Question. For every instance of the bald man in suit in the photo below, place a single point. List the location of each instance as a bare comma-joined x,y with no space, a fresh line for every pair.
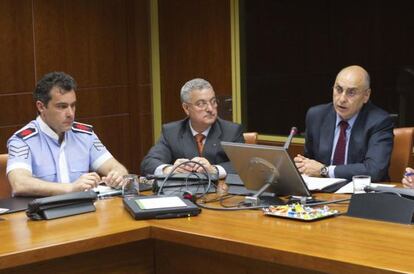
350,136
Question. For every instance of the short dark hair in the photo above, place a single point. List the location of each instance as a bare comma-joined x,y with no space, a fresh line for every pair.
63,81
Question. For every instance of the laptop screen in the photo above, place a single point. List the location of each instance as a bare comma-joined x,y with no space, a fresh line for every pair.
259,164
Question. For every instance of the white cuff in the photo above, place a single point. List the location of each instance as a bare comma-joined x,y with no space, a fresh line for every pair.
17,166
159,170
222,172
98,162
331,171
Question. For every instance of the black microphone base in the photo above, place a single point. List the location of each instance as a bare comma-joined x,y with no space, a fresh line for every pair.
387,207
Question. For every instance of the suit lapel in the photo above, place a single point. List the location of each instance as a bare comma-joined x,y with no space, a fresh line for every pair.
187,142
212,142
357,138
327,132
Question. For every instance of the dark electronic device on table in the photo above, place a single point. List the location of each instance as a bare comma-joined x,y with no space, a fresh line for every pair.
160,207
266,168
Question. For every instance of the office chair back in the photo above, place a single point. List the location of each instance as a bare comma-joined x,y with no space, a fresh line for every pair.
250,137
401,152
5,189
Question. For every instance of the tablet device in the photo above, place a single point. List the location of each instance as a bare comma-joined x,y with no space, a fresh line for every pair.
160,207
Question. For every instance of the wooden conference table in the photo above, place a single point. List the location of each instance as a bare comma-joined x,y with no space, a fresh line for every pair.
110,241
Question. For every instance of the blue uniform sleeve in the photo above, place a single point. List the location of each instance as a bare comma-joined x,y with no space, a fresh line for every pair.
19,155
98,153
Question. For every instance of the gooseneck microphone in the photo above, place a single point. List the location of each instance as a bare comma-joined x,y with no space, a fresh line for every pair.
292,133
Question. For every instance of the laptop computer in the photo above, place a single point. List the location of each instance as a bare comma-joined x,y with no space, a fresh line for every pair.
266,168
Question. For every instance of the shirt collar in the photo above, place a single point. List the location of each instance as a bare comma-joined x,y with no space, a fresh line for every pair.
205,132
350,121
46,129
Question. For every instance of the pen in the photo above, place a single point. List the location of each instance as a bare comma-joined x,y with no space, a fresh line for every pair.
408,174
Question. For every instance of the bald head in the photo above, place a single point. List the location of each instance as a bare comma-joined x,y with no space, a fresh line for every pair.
356,75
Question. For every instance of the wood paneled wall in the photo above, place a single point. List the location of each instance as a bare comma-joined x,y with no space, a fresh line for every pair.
103,44
194,42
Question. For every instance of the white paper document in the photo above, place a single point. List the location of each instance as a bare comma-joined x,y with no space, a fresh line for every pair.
349,188
318,183
102,189
106,191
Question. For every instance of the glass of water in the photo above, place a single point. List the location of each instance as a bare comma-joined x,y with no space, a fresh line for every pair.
359,182
130,187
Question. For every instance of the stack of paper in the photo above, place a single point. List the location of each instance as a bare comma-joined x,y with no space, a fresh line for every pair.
339,185
349,188
323,184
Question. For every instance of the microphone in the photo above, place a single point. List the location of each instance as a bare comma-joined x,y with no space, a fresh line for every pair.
292,133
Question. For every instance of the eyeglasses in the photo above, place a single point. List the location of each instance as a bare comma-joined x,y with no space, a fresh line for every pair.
350,93
203,104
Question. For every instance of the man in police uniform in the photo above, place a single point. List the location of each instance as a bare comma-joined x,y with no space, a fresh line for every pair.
55,155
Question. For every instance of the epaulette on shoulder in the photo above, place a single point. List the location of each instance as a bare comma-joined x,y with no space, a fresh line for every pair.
26,133
80,127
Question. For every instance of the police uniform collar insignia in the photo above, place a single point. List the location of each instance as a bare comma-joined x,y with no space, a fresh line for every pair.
27,132
80,127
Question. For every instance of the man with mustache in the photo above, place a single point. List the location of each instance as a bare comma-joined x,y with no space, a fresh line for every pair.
195,138
350,136
55,155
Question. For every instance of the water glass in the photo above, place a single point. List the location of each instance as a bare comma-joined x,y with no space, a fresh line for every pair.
130,187
359,182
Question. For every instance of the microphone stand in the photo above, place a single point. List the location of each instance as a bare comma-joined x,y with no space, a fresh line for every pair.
292,133
255,199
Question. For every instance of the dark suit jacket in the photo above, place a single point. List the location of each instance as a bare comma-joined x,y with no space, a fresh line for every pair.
177,141
369,147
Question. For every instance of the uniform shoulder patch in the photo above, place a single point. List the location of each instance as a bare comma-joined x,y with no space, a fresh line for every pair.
80,127
26,133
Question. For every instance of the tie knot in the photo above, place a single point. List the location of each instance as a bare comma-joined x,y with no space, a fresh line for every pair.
343,124
199,137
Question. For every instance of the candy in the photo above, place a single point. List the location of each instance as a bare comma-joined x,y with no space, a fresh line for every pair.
298,211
